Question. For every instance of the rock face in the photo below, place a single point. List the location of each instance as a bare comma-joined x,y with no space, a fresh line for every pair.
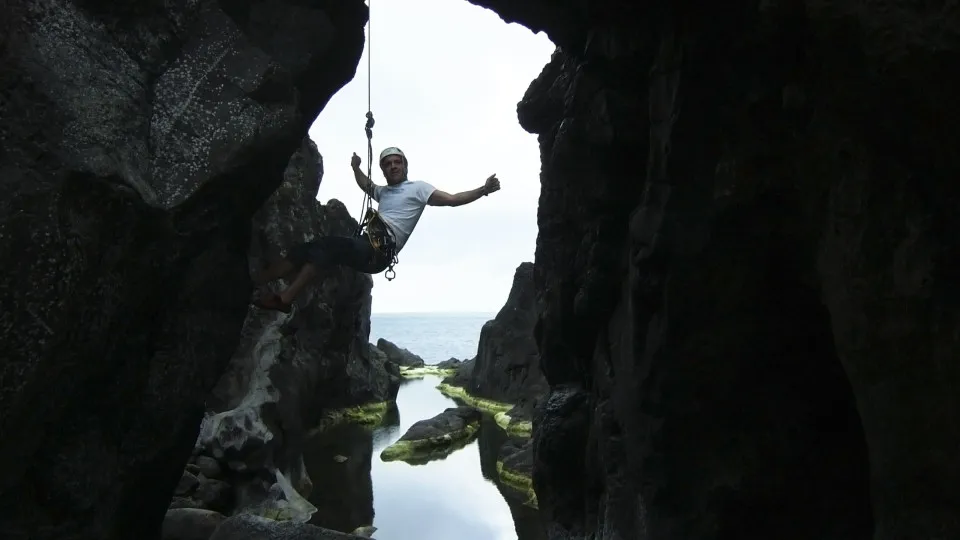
291,368
507,365
746,263
138,142
399,355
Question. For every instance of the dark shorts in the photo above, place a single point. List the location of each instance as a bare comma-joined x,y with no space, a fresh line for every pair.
353,251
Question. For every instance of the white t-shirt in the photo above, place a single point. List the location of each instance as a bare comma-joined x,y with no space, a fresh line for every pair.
400,206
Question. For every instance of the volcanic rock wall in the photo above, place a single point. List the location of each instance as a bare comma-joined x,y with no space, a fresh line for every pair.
137,143
747,267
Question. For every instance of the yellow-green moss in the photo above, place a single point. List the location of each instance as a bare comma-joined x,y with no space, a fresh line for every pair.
408,372
481,404
517,428
369,414
421,451
518,482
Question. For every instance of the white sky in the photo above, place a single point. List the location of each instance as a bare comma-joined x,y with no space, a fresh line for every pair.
447,76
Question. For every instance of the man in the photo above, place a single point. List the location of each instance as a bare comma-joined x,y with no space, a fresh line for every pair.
401,202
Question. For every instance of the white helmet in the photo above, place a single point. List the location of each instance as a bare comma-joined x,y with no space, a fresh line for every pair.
393,151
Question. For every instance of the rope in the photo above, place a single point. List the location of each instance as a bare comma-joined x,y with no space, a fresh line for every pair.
367,209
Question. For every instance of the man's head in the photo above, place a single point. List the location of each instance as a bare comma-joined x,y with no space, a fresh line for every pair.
393,163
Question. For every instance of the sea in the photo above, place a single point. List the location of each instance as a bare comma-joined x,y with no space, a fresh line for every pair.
445,499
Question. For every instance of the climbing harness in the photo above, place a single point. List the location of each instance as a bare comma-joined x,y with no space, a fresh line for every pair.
377,230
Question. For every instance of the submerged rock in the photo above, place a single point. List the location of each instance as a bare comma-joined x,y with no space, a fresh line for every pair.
248,527
436,437
399,355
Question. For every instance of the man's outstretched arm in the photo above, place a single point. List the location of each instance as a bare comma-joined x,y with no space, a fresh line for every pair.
442,198
365,183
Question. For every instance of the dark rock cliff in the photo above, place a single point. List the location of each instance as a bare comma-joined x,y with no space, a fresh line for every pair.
137,143
291,369
507,366
747,268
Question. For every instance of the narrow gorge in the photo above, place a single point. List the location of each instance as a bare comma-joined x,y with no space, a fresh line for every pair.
740,322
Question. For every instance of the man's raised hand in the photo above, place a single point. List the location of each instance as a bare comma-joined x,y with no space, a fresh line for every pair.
355,160
491,185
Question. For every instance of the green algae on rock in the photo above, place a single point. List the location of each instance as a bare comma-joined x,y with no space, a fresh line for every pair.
436,437
482,404
368,415
419,372
513,426
519,482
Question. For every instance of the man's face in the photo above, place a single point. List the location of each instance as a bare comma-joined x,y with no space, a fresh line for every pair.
392,167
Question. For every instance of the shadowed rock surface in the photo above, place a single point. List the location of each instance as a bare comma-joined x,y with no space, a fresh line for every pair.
747,267
138,142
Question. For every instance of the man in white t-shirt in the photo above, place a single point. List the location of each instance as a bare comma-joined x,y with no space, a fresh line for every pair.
401,202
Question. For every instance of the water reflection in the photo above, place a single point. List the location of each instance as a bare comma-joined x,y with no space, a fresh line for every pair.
454,497
525,518
338,462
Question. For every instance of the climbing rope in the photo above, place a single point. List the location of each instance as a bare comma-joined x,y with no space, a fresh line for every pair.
367,210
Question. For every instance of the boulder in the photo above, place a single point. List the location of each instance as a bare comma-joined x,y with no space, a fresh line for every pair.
435,437
398,355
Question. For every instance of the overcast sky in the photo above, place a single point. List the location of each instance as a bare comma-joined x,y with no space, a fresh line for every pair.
447,76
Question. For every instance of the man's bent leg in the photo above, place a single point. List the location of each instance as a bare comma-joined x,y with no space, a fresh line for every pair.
320,255
276,270
353,252
306,273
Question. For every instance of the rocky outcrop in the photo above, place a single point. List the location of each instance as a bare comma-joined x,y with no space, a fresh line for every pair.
436,437
746,263
291,370
138,142
399,355
506,369
507,366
